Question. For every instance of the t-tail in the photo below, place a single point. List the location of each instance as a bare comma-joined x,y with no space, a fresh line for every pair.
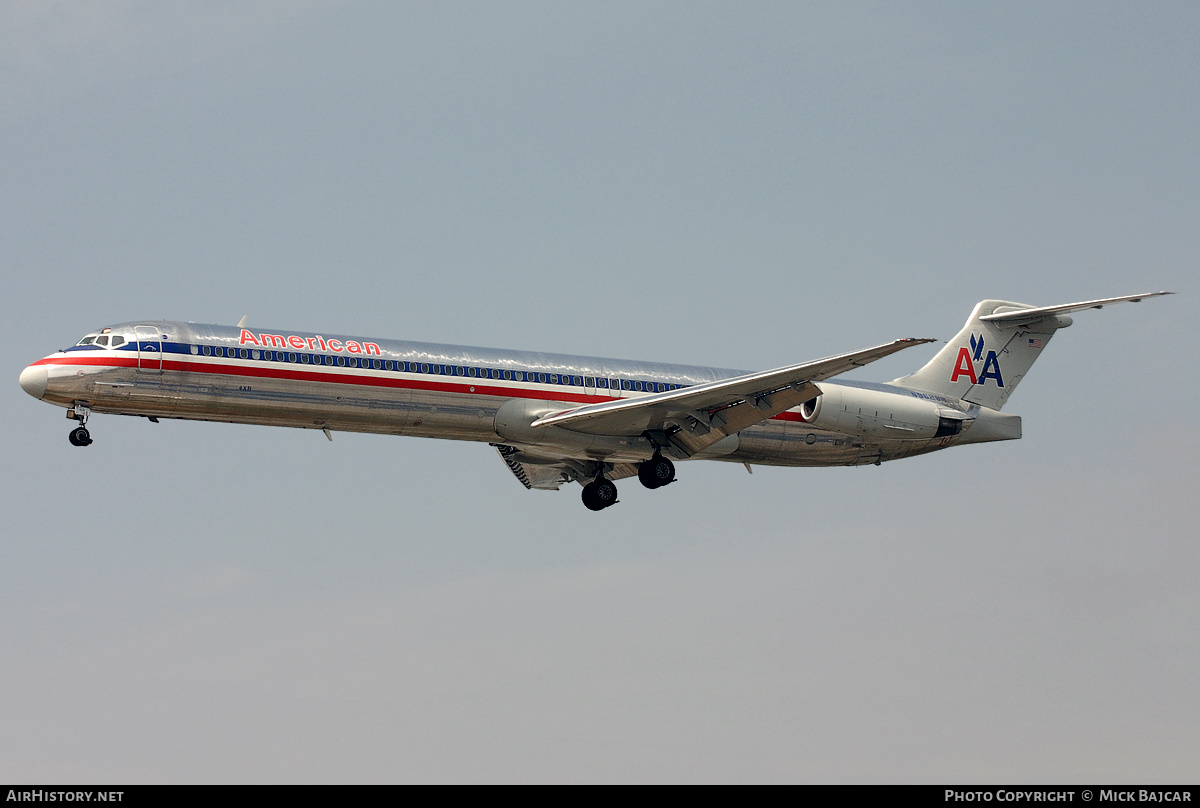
986,361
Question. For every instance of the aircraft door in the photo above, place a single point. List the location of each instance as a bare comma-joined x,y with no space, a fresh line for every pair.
149,349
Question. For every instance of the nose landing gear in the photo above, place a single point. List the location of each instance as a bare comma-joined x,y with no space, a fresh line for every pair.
79,435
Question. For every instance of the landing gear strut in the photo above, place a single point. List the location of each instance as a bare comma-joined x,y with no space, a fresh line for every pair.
79,435
599,494
656,472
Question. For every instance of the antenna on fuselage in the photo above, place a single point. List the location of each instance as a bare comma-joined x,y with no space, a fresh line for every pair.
242,322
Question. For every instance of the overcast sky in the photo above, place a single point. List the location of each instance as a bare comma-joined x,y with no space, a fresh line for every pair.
738,185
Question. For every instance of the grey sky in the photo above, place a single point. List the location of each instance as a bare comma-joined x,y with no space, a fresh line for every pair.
738,185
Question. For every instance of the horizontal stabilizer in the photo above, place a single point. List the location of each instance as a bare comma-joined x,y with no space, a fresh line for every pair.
1001,340
1028,315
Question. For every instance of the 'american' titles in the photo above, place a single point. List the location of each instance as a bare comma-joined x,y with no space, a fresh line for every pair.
311,343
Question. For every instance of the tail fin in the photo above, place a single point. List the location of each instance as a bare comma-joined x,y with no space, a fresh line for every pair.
996,348
988,358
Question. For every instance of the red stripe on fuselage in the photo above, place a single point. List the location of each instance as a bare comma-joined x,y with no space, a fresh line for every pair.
115,362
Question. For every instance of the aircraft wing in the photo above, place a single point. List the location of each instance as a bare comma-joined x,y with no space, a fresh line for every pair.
693,418
1022,316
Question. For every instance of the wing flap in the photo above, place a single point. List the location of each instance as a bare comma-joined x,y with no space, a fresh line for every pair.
535,470
545,477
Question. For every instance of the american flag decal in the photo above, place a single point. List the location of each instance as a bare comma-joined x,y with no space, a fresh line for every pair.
1035,343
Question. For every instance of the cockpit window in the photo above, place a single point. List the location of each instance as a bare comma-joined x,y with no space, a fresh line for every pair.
103,339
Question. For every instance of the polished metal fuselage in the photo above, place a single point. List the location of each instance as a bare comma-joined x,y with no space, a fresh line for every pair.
299,379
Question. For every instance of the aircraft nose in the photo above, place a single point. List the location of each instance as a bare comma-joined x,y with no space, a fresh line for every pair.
33,380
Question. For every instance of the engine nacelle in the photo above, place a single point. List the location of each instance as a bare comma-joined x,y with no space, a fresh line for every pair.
881,414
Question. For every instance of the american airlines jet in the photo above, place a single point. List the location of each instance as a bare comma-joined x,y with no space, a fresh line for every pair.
553,418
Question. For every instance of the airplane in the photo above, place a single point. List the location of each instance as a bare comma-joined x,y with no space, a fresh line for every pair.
556,419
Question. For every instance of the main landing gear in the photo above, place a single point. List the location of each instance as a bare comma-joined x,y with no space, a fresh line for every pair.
79,435
653,473
656,472
599,494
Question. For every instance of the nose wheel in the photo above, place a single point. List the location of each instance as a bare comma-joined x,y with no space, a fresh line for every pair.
79,435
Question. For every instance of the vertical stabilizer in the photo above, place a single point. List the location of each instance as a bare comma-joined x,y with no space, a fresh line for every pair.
986,361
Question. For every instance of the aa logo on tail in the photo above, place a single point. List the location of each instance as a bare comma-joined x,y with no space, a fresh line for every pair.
965,364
